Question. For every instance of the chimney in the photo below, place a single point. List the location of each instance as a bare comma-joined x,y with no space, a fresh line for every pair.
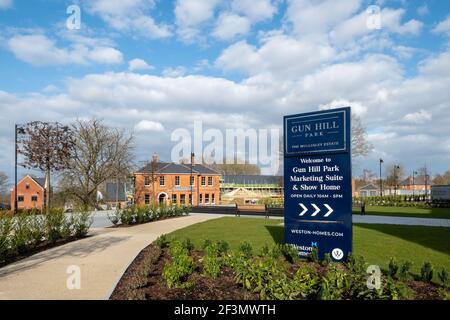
192,159
154,157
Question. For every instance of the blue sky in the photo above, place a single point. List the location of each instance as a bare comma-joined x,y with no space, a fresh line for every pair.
152,66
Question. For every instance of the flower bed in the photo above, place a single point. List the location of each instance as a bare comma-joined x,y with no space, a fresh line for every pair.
30,232
143,214
175,270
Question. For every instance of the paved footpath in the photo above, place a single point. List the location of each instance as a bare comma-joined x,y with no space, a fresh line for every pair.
407,221
102,258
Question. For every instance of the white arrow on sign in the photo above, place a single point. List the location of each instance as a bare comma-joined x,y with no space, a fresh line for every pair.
317,210
304,209
330,210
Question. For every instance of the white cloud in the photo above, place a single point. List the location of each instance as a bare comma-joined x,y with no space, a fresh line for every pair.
443,26
316,17
436,66
190,14
129,16
6,4
147,125
139,64
230,25
423,10
279,56
418,117
357,107
39,50
255,10
174,72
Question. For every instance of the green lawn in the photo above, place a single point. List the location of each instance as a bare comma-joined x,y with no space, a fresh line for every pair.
441,213
377,243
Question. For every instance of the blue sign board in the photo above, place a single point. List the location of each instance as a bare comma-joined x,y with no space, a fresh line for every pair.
317,182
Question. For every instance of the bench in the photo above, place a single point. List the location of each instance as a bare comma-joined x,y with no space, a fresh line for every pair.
251,208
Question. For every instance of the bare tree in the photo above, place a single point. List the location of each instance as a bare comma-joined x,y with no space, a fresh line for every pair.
47,147
360,145
3,183
443,179
101,153
395,173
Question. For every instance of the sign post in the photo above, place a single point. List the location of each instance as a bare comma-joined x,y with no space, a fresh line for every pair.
317,182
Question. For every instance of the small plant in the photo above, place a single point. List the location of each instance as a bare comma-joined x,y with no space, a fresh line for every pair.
211,262
306,281
326,260
82,221
6,227
162,241
443,276
289,252
115,217
206,243
403,272
54,223
314,255
392,268
223,247
334,285
187,243
246,249
426,272
181,266
356,264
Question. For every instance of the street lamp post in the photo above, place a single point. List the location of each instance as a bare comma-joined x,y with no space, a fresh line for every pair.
18,129
381,180
396,167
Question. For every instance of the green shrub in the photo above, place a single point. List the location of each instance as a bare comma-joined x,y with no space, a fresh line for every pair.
267,278
403,273
326,259
22,235
181,266
246,249
206,243
314,255
443,276
426,272
356,264
127,216
289,252
188,244
115,217
393,268
37,229
394,290
306,281
82,221
54,223
211,261
162,241
334,285
6,227
223,247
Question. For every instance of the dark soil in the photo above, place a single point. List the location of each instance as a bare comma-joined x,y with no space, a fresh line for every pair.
45,245
205,288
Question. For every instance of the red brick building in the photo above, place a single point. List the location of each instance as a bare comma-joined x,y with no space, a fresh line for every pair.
165,182
30,193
